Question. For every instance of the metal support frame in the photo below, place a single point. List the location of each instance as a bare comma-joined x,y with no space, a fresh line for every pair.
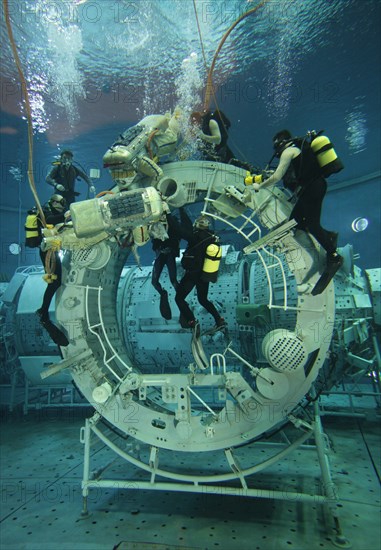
50,396
212,484
356,385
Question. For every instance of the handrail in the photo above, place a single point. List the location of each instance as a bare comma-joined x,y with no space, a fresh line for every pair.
91,328
236,228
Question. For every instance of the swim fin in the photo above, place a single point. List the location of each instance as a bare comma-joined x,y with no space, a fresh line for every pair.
165,308
333,265
213,330
55,333
197,349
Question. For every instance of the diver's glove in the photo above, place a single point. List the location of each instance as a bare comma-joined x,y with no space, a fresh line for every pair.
59,187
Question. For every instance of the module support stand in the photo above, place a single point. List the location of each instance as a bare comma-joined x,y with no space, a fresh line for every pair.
329,496
328,485
85,438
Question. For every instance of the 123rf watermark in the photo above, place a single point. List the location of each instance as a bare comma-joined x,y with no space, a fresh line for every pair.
61,11
317,92
39,491
118,92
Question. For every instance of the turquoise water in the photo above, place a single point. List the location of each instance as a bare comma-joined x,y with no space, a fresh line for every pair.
94,68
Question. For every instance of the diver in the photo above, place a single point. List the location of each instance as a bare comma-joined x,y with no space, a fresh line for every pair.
63,176
301,173
199,237
54,212
166,236
141,148
212,127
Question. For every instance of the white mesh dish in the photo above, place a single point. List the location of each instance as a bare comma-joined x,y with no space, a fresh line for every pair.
94,258
284,351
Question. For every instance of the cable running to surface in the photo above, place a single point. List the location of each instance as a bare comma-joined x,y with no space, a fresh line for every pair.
25,96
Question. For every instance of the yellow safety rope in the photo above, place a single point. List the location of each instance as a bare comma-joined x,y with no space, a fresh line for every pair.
24,92
50,266
200,36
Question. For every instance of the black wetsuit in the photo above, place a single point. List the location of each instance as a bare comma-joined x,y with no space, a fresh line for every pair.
220,152
166,253
198,241
304,172
66,177
52,217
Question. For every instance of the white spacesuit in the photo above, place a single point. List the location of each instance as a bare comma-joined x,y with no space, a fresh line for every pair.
140,148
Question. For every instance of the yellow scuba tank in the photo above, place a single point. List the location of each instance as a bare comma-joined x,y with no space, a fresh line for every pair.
211,263
326,156
32,230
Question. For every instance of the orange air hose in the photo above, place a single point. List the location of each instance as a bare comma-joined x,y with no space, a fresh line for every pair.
209,83
150,137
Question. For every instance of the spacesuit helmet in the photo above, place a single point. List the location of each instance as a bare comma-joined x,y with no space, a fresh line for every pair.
57,202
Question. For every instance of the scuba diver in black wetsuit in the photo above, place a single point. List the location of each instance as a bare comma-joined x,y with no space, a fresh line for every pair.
54,212
301,173
166,237
199,237
63,177
213,129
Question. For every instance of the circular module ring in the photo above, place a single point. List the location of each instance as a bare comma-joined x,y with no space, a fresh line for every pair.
183,407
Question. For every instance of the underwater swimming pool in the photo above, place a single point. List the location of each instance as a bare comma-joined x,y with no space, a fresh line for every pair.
94,68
